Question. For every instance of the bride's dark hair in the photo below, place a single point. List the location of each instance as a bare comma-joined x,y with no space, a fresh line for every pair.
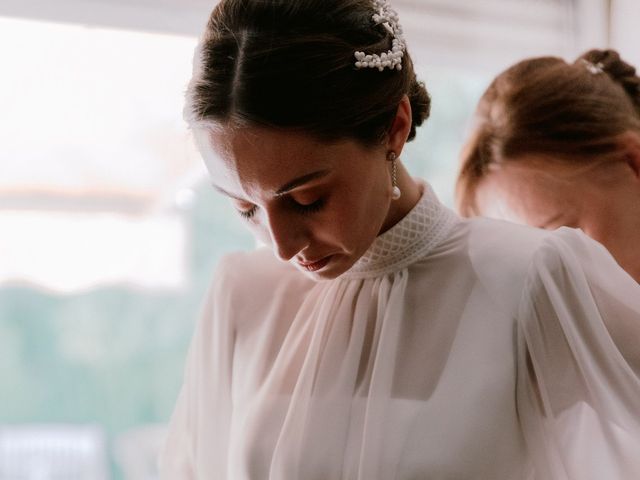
290,64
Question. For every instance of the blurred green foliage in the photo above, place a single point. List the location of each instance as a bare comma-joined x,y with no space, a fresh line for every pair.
111,356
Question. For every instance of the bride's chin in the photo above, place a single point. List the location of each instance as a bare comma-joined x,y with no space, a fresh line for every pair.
333,269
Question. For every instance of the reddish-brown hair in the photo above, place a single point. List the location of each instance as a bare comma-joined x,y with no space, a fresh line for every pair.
544,106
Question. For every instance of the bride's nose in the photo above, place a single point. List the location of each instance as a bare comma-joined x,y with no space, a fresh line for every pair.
288,236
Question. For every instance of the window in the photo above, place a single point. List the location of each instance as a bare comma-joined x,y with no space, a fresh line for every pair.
109,231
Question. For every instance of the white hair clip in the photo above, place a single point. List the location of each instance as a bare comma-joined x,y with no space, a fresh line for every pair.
391,59
594,68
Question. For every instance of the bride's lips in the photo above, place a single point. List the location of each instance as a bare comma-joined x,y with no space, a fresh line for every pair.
316,265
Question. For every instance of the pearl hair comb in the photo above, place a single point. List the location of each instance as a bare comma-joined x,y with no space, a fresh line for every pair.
391,59
594,68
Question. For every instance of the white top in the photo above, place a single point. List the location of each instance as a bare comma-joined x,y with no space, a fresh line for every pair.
453,349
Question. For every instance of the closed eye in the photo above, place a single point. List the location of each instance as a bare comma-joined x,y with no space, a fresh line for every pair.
248,214
308,209
303,209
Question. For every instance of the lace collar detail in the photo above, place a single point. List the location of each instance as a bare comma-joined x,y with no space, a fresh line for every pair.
423,228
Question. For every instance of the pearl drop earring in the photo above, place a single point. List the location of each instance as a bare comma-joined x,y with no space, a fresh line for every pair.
395,193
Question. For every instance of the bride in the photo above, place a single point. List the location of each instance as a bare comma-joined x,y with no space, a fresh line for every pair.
380,336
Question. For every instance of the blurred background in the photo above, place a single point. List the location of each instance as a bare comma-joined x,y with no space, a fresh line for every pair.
109,229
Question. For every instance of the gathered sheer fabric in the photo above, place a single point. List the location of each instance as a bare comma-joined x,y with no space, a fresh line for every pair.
453,349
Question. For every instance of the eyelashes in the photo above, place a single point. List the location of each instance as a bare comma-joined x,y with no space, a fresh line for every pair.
307,209
248,214
310,208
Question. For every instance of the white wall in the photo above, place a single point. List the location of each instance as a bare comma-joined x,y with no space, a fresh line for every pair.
625,29
182,17
479,35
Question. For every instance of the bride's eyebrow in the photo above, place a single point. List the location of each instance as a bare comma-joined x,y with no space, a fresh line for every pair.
224,192
295,183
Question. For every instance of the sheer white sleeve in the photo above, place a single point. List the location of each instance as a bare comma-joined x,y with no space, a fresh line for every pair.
197,443
579,362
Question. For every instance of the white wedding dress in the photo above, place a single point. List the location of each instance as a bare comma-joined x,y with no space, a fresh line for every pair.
453,349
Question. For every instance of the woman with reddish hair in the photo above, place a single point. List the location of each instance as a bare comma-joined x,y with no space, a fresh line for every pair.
558,144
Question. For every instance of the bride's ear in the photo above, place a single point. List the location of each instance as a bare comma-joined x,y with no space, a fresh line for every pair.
401,127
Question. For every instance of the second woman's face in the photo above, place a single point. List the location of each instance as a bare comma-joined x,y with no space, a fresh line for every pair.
319,205
600,199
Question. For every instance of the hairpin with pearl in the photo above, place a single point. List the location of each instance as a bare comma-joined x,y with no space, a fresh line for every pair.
392,59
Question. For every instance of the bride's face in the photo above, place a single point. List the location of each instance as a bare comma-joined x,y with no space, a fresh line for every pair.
318,205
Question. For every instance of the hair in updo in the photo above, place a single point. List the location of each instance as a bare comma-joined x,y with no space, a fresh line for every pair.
290,64
544,106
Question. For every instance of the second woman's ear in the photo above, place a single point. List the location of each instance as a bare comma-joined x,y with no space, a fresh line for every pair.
631,145
401,127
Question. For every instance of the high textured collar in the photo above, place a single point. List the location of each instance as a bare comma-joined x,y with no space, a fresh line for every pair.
424,227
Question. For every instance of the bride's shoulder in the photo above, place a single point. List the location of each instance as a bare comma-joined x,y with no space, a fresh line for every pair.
246,285
254,280
503,243
520,248
257,268
505,256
